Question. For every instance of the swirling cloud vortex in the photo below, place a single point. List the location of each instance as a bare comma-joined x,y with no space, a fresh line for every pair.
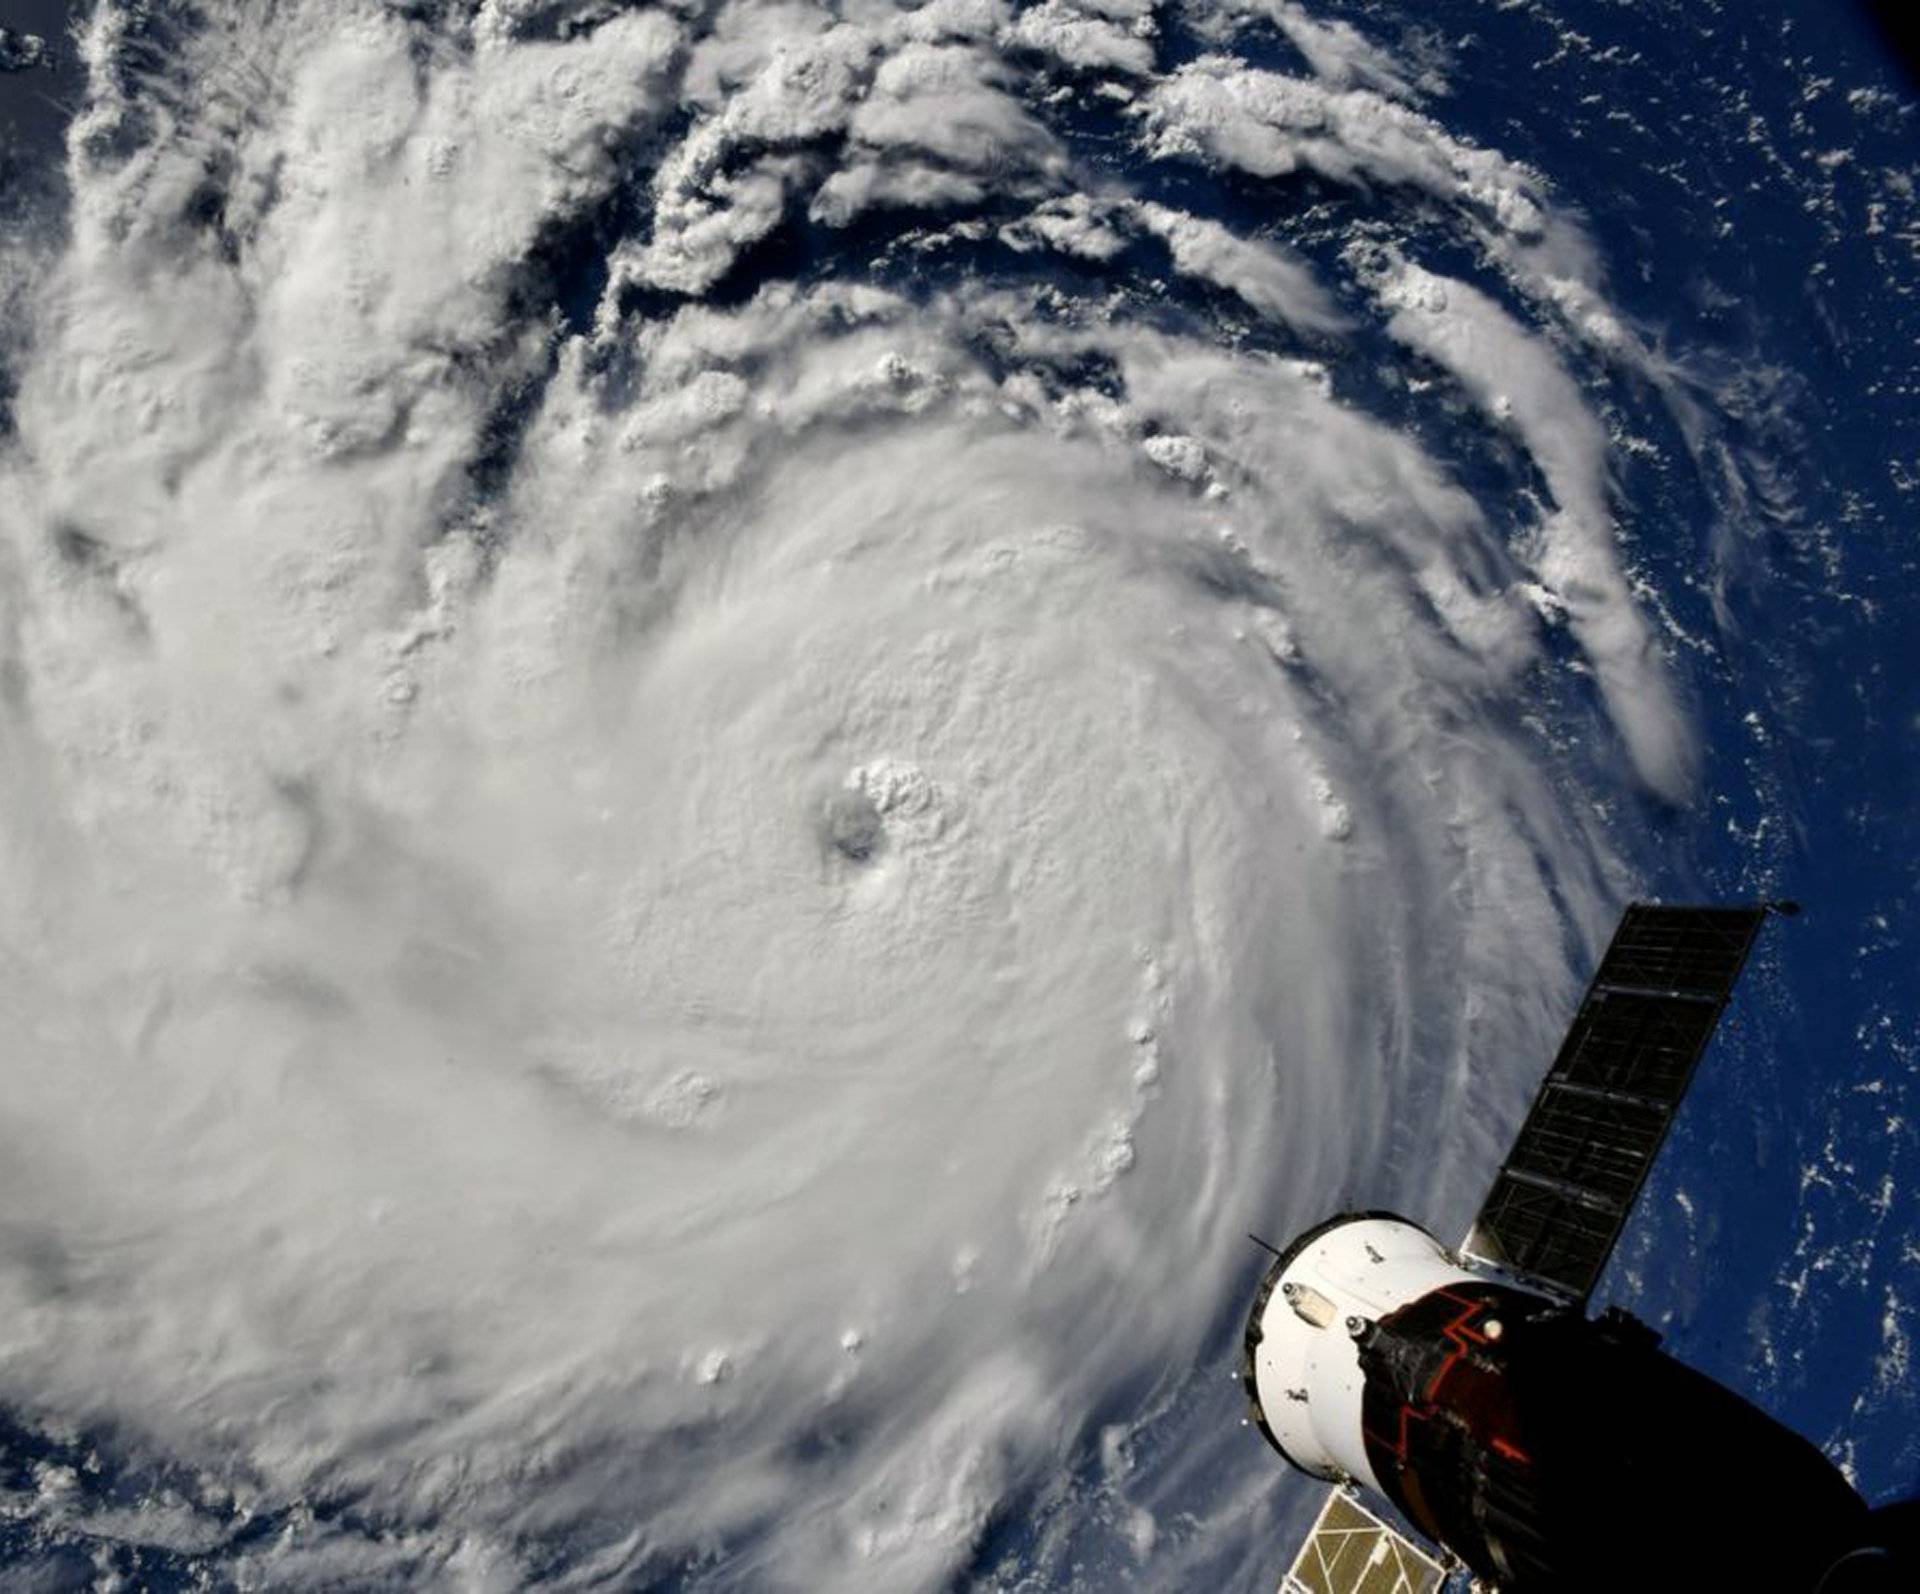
727,728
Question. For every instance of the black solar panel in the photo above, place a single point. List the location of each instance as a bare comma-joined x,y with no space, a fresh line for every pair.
1561,1198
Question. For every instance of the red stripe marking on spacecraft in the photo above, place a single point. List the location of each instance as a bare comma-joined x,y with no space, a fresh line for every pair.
1462,1335
1399,1447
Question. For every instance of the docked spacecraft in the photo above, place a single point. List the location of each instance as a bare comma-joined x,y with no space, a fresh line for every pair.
1535,1446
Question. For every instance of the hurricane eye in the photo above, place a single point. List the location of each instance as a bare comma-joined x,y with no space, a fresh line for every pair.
851,828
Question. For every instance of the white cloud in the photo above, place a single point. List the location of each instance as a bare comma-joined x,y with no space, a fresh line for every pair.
1073,225
950,102
1271,280
764,111
1090,42
1337,51
1269,124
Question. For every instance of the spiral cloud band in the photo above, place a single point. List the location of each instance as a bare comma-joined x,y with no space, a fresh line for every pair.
726,728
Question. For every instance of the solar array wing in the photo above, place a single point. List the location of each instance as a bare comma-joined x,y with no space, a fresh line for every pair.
1351,1551
1563,1195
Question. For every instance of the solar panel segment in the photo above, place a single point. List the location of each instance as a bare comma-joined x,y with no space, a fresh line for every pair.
1563,1195
1351,1551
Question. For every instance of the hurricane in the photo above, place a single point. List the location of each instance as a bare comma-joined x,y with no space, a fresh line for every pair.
728,727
